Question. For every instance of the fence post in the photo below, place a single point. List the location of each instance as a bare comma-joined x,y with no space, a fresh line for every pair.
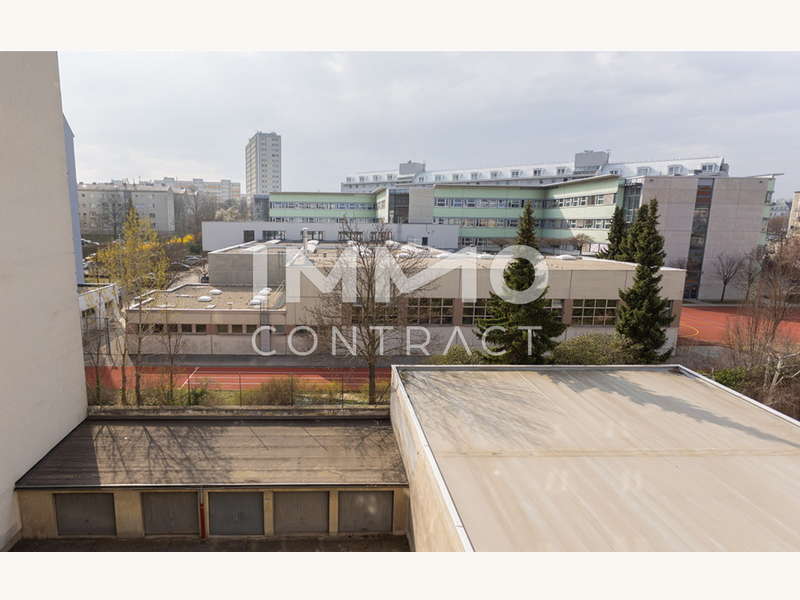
291,390
189,388
341,389
240,389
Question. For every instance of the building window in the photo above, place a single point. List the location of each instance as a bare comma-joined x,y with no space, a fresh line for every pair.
495,174
186,328
556,308
346,236
674,169
438,177
474,175
643,170
380,236
200,328
222,329
248,235
709,167
430,311
251,328
474,311
273,235
456,176
594,312
516,173
237,329
537,172
613,171
561,171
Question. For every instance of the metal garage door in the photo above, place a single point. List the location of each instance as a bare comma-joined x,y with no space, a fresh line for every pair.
85,514
236,513
365,511
168,513
301,512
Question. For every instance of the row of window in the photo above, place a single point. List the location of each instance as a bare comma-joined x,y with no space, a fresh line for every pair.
479,202
147,328
324,205
591,200
572,223
323,219
478,310
476,222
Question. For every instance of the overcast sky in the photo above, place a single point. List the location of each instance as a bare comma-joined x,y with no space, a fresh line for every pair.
150,115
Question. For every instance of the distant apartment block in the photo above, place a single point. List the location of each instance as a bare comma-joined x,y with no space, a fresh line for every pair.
222,191
263,163
103,207
794,215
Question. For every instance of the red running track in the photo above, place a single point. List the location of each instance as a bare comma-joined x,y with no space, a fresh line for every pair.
230,378
708,324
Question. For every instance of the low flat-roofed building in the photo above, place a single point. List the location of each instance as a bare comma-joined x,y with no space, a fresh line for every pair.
255,478
593,458
583,292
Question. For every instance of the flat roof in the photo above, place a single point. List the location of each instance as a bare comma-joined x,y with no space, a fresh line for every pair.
144,453
607,458
187,296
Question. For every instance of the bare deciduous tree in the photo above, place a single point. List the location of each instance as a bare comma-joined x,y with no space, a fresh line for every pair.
755,338
138,264
726,268
363,325
751,268
581,240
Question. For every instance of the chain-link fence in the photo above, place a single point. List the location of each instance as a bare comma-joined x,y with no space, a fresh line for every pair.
229,387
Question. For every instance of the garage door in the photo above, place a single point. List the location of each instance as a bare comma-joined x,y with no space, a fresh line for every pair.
236,513
85,514
301,512
365,511
170,513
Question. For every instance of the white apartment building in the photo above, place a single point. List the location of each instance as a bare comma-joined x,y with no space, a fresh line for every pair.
222,191
589,163
102,207
44,393
263,163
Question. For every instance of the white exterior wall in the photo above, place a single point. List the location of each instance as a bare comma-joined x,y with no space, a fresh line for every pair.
44,394
738,208
223,234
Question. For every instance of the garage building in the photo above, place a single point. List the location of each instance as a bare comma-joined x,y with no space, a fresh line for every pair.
142,477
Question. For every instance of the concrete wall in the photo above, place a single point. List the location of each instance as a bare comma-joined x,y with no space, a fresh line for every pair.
43,383
72,181
434,524
420,205
734,228
221,234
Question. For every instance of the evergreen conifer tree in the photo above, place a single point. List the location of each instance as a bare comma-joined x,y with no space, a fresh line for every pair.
616,236
628,244
643,314
519,275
